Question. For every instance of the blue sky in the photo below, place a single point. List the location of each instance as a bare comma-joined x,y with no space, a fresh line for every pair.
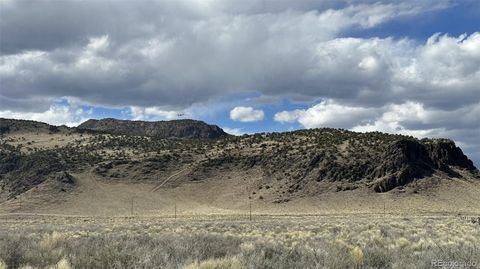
459,18
410,67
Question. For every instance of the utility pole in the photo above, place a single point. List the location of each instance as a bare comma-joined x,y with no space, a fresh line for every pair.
174,205
131,208
250,204
384,210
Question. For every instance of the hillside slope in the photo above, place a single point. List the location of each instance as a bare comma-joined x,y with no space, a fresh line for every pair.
10,126
275,169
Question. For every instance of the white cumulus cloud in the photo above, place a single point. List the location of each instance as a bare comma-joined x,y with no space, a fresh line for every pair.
327,113
234,131
288,116
55,115
156,113
246,114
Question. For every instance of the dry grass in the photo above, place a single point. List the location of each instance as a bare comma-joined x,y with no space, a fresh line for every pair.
265,242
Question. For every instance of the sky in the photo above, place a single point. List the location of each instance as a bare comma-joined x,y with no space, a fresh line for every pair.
409,67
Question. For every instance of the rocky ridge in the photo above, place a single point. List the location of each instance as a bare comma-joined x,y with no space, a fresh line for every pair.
164,129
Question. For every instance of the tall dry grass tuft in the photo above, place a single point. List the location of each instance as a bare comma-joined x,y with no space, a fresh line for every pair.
62,264
357,255
221,263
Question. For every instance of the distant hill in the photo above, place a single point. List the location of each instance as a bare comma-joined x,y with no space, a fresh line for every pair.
190,129
14,125
49,162
161,129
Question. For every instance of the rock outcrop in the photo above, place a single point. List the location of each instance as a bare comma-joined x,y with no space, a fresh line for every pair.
406,160
163,129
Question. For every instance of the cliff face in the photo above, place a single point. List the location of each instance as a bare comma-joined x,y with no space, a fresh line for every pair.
161,129
407,160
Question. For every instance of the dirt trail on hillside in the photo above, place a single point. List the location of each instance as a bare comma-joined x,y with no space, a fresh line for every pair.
170,177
